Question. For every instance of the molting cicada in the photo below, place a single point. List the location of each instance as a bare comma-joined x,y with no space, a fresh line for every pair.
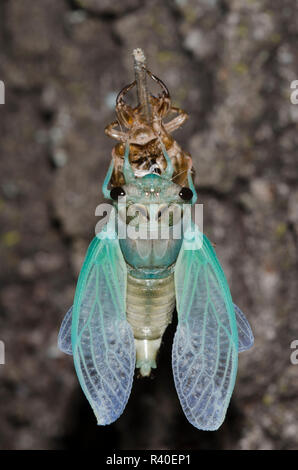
129,286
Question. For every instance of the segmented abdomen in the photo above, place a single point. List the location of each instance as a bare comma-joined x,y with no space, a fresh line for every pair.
149,307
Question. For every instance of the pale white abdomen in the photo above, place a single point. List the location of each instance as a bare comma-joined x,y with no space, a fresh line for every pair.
149,308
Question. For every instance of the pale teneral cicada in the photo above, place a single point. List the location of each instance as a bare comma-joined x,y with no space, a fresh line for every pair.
129,286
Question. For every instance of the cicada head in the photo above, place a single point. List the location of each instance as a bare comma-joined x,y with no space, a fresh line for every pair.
153,200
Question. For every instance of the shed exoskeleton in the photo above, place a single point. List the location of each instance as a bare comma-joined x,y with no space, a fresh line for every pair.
144,136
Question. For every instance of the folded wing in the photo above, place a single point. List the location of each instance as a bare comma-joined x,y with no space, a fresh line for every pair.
245,334
102,340
64,336
205,348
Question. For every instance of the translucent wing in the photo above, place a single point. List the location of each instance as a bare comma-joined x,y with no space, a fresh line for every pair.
245,335
205,348
102,340
64,336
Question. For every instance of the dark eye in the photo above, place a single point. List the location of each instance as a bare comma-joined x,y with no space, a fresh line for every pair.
186,194
117,192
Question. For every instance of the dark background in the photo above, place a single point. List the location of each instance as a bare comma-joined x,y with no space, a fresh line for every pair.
230,65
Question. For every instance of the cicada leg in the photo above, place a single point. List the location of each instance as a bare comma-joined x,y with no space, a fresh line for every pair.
111,131
177,121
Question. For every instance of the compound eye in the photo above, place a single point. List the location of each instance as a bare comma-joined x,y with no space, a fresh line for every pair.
186,194
117,192
156,170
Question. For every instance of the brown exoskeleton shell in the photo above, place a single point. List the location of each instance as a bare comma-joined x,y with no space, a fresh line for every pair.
144,137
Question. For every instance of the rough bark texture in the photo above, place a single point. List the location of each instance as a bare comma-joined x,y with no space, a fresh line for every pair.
230,65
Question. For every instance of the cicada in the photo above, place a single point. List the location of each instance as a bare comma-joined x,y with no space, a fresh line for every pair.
129,287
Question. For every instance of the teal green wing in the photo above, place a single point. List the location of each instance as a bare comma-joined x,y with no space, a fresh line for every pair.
205,348
102,340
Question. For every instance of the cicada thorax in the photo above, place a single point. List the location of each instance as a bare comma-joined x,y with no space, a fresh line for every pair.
146,137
